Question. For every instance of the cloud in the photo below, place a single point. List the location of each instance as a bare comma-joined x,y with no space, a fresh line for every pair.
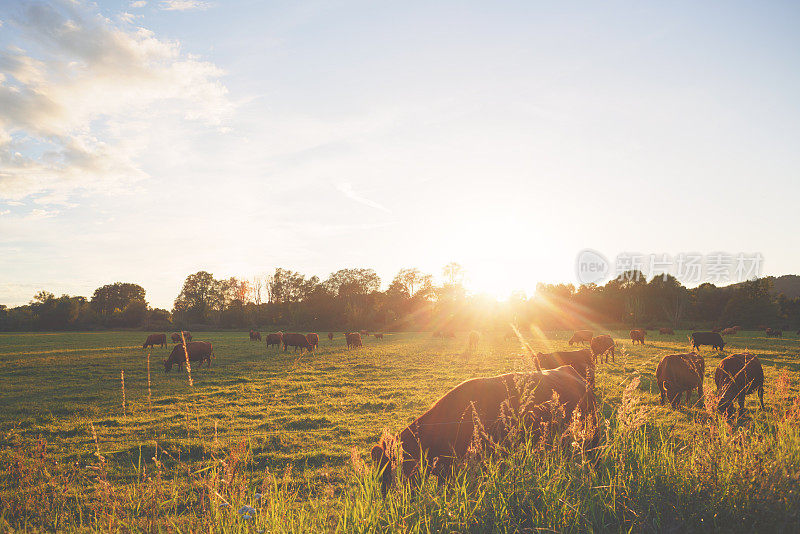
41,214
138,3
184,5
76,115
5,212
346,188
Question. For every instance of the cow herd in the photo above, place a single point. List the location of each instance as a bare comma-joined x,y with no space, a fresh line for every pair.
310,341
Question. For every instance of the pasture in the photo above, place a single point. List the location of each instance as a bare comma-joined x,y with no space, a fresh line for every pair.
295,428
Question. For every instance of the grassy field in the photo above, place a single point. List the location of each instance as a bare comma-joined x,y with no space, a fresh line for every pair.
293,428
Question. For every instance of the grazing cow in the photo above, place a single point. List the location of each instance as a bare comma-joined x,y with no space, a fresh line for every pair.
637,334
363,333
156,339
669,331
187,335
255,336
330,336
774,332
677,373
736,328
441,437
378,336
313,340
580,360
199,351
275,339
474,338
176,337
353,339
601,345
298,341
581,336
707,338
737,376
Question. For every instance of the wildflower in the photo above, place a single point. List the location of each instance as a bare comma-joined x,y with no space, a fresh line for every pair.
257,496
245,510
246,516
223,505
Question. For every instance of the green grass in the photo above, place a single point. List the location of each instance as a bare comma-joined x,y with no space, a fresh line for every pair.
286,425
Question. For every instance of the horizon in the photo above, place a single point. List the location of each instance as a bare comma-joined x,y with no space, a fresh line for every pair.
145,139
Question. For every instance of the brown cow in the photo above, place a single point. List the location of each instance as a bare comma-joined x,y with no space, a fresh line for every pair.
275,339
353,339
737,328
474,338
298,341
199,351
187,335
330,336
677,373
581,336
313,340
441,437
580,360
378,336
156,339
669,331
774,332
737,376
728,332
255,336
637,334
363,333
176,337
602,345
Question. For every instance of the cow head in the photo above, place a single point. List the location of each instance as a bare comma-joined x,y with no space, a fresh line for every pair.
167,365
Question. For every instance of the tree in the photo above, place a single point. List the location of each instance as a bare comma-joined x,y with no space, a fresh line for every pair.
116,296
198,296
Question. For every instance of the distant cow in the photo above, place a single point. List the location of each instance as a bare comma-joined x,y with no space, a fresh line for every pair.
441,437
330,336
378,336
737,376
774,332
728,332
669,331
707,338
313,340
156,339
637,335
677,373
581,336
601,345
255,336
176,337
275,339
364,333
736,328
353,339
187,335
199,351
474,338
298,341
580,360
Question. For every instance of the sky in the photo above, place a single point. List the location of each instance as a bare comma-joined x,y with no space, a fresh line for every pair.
142,141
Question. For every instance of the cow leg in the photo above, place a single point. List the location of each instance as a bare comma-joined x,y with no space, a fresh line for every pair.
661,390
741,403
761,396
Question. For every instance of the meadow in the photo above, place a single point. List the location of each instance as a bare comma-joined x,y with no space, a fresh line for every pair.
289,434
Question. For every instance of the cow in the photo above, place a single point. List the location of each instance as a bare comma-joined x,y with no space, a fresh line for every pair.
378,336
728,332
176,337
275,339
774,332
637,334
187,335
602,345
298,341
313,340
677,373
353,339
581,336
736,328
737,376
155,339
363,333
580,360
474,338
199,351
255,336
707,338
330,336
761,327
669,331
716,329
442,436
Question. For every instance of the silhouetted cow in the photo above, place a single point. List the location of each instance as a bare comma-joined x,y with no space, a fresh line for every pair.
156,339
637,335
581,336
313,340
677,373
298,341
602,345
255,336
330,336
728,332
199,351
737,376
580,360
353,339
176,337
774,332
669,331
275,339
707,338
378,336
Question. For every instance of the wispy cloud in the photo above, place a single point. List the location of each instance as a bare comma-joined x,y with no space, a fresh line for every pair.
184,5
346,188
42,214
138,3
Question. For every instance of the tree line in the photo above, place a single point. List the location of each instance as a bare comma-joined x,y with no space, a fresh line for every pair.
352,299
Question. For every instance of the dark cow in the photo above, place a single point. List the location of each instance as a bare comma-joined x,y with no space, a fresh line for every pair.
353,339
581,336
677,373
728,332
199,351
707,338
298,341
330,336
156,339
474,338
637,334
313,340
275,339
774,332
737,376
187,335
669,331
255,336
441,437
602,345
580,360
378,336
176,337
